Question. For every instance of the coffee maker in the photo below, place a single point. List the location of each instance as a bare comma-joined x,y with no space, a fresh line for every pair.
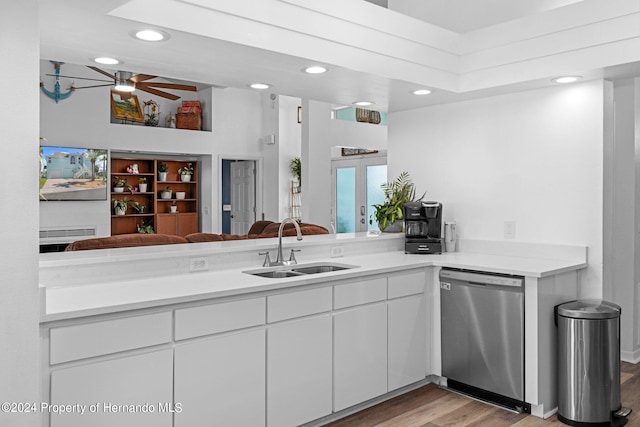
423,227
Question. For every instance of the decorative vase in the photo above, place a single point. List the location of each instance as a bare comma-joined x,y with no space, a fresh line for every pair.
394,227
162,176
174,209
119,211
142,187
180,194
118,189
185,178
165,195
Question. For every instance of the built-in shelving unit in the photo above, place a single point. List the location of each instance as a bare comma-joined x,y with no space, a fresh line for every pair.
157,211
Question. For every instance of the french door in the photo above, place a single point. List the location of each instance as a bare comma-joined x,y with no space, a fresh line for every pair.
356,188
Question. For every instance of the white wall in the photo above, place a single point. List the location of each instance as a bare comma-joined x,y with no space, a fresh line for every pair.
19,302
83,120
289,141
622,243
531,157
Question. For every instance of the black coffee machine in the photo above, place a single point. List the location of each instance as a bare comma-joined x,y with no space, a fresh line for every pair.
423,227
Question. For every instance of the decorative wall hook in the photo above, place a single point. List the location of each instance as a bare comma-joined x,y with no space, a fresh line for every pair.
57,95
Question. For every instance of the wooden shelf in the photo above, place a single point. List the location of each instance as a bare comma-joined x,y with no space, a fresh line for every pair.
183,222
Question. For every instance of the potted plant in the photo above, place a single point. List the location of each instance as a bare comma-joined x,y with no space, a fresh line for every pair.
145,229
162,171
173,208
142,184
296,170
166,193
151,113
137,206
389,215
120,206
185,172
120,185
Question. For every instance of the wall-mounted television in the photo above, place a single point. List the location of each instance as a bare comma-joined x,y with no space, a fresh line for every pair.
69,173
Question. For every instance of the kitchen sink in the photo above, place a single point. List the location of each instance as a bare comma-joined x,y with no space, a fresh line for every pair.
297,270
319,269
276,273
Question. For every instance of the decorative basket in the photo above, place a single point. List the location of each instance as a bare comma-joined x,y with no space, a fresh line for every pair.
189,121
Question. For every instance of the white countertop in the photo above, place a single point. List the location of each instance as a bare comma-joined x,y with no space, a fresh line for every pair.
65,302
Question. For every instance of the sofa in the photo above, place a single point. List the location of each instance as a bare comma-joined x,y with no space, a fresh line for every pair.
125,241
260,229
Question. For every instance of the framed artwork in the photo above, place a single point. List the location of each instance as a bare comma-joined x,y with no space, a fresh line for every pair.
125,106
357,151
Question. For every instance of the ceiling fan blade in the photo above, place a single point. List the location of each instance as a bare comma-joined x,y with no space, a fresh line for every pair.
173,86
145,88
142,77
87,87
102,71
79,78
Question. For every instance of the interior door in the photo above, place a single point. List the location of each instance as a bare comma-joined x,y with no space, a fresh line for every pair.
243,196
356,188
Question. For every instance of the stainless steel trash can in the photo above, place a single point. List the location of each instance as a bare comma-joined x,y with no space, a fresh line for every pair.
588,362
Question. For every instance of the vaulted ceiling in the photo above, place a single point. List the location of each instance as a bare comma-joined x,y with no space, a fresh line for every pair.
460,49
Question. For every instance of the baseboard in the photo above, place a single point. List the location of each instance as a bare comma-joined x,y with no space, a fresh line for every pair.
630,356
357,408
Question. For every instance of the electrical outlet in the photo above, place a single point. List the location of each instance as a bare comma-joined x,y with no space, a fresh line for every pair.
198,264
510,230
337,251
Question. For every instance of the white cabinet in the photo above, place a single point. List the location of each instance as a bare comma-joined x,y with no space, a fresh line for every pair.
360,354
117,386
407,341
299,366
407,329
221,380
281,359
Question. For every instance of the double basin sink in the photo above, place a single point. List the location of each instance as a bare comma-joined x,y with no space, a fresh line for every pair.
297,270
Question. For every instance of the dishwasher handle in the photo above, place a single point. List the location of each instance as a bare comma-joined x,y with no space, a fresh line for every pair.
481,279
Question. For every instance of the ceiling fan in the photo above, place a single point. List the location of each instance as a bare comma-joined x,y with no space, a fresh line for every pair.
126,82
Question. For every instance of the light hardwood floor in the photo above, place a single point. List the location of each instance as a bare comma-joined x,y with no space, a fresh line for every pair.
431,406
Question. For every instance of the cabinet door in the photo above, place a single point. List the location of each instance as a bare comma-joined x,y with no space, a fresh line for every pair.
221,381
299,355
177,224
407,341
187,223
167,224
115,385
360,354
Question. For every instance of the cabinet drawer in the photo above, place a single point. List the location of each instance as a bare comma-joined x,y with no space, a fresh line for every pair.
216,318
108,336
406,284
298,304
362,292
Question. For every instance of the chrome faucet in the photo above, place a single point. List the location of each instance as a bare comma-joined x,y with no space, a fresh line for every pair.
279,258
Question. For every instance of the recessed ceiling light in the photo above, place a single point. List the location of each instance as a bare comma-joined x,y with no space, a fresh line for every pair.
260,86
106,60
151,35
363,103
566,79
421,92
316,69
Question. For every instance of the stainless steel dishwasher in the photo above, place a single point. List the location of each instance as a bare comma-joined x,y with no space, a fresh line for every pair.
482,329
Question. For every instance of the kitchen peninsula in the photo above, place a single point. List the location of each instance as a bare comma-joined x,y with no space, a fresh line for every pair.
185,326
